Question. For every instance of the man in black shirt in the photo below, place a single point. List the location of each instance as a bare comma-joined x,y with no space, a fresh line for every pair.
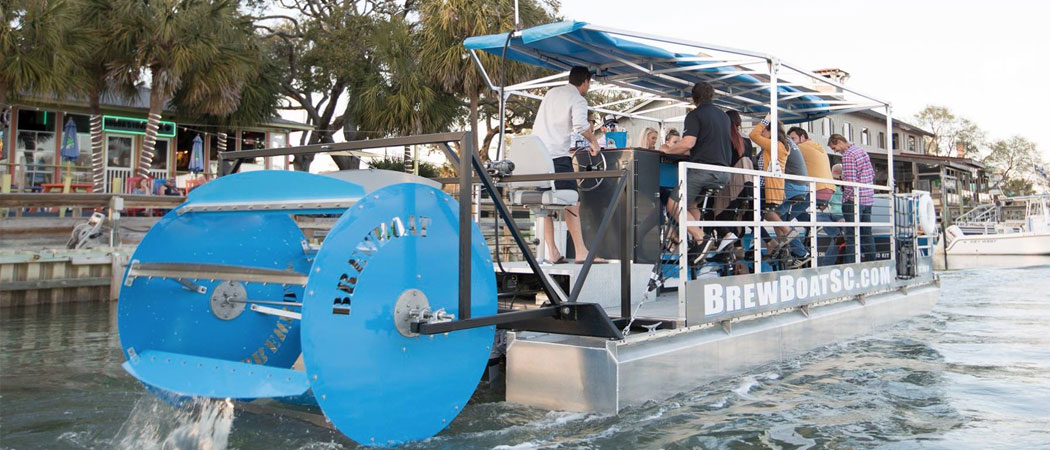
706,139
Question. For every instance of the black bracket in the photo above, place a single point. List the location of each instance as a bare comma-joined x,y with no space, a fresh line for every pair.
576,319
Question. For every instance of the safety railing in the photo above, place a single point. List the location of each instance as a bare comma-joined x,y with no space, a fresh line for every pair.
982,215
813,220
31,177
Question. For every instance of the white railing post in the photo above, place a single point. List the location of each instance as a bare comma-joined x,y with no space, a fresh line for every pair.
813,224
856,224
683,239
756,233
891,183
774,125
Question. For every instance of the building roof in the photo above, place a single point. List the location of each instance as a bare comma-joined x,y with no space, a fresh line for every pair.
110,102
903,125
950,161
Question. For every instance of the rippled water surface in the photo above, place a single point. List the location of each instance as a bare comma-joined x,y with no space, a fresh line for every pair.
975,373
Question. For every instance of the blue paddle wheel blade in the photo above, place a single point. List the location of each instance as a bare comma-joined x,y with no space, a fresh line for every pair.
197,376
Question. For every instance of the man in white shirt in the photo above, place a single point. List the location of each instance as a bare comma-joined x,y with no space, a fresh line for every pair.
563,112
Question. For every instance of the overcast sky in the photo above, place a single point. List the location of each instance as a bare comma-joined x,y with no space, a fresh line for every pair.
984,60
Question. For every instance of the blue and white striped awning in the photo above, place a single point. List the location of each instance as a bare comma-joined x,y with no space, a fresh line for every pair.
657,68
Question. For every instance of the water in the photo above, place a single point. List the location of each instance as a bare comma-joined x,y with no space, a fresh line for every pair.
975,373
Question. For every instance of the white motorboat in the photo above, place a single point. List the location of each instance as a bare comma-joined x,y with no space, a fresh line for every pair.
1013,232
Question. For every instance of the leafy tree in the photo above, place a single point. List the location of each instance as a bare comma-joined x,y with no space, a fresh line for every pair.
520,115
1017,187
195,46
949,131
397,98
96,71
326,51
37,47
1013,161
426,169
446,23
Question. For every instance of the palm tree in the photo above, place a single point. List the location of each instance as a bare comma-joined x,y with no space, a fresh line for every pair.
245,81
98,70
446,23
176,41
259,92
397,96
36,47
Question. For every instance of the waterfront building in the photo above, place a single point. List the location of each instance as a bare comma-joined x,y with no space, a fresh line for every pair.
33,135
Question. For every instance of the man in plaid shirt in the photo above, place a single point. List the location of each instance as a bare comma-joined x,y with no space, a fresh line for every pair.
856,168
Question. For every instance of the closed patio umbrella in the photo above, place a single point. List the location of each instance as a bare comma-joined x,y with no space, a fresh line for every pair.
70,146
197,156
70,152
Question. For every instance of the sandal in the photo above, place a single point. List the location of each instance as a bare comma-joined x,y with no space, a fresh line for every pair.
597,260
560,260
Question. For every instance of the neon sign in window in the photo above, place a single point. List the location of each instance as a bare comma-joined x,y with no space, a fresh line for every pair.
134,125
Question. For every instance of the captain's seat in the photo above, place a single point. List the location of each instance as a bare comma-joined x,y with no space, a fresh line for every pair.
530,157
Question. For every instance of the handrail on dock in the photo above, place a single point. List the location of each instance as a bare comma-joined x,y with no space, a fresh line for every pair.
87,200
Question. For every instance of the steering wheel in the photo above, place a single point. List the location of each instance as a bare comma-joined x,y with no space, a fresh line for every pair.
584,162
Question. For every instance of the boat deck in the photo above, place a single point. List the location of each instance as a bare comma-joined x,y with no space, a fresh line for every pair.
602,286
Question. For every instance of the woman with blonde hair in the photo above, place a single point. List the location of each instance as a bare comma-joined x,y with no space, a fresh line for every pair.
648,138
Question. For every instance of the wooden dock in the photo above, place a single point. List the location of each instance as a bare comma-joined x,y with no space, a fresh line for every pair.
35,266
35,277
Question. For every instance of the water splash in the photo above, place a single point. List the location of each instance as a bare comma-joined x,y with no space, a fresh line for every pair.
152,424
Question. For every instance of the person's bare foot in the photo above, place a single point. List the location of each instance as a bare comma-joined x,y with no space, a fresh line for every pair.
597,259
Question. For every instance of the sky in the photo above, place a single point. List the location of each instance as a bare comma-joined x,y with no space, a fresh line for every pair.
981,59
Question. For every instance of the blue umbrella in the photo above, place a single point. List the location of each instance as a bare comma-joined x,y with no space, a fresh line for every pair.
70,151
197,156
70,146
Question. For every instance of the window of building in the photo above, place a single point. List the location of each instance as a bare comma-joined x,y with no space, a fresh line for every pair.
865,137
184,148
35,141
847,131
118,150
82,166
278,140
231,144
895,141
253,140
882,139
826,126
159,164
809,127
911,143
213,149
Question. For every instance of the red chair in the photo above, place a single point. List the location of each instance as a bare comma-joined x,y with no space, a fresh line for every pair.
129,187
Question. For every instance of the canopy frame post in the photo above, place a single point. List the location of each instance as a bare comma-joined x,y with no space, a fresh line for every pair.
774,125
891,183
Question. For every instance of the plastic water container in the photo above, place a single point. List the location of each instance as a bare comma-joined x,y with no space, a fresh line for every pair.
617,137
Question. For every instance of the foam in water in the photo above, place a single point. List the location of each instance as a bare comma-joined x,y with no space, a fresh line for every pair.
200,423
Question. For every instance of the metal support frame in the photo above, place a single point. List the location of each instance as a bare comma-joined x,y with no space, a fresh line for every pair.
891,182
586,319
577,319
465,191
602,228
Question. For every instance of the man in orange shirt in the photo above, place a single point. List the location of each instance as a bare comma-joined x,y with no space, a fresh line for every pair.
817,163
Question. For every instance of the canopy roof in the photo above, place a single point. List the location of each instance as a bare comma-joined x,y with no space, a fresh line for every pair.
655,68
